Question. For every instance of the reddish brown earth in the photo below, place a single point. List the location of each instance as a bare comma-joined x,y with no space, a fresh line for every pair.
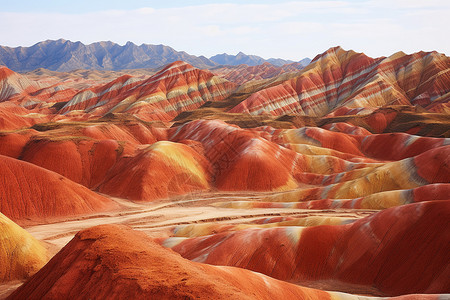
29,192
335,177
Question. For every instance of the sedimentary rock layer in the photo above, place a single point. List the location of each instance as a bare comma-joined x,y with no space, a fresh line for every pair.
340,82
34,193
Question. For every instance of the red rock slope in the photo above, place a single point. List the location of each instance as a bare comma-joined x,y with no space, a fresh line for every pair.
30,93
115,262
33,193
176,88
79,159
161,170
337,165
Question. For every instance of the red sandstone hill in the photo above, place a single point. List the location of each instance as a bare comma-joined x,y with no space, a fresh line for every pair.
13,117
161,170
12,84
176,88
338,82
31,93
29,192
347,134
81,160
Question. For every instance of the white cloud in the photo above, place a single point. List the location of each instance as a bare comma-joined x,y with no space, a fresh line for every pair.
212,30
290,30
244,30
146,10
409,4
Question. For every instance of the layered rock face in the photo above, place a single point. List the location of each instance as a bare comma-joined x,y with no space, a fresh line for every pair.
176,88
337,83
34,193
340,82
340,169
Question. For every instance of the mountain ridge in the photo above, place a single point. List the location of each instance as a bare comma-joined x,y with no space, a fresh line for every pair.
65,55
252,60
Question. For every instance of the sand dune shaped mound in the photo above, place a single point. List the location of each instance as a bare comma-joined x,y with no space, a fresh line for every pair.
390,119
333,164
241,158
158,171
194,230
244,162
115,262
129,131
396,251
81,160
29,192
387,146
21,255
320,137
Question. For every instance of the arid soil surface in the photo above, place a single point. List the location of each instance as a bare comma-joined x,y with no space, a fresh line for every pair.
158,219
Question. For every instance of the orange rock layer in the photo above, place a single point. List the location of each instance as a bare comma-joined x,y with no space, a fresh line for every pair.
34,193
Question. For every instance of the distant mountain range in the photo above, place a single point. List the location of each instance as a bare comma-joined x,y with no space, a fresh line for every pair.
63,55
252,60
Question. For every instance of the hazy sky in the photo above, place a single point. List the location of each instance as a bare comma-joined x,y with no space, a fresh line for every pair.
291,30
